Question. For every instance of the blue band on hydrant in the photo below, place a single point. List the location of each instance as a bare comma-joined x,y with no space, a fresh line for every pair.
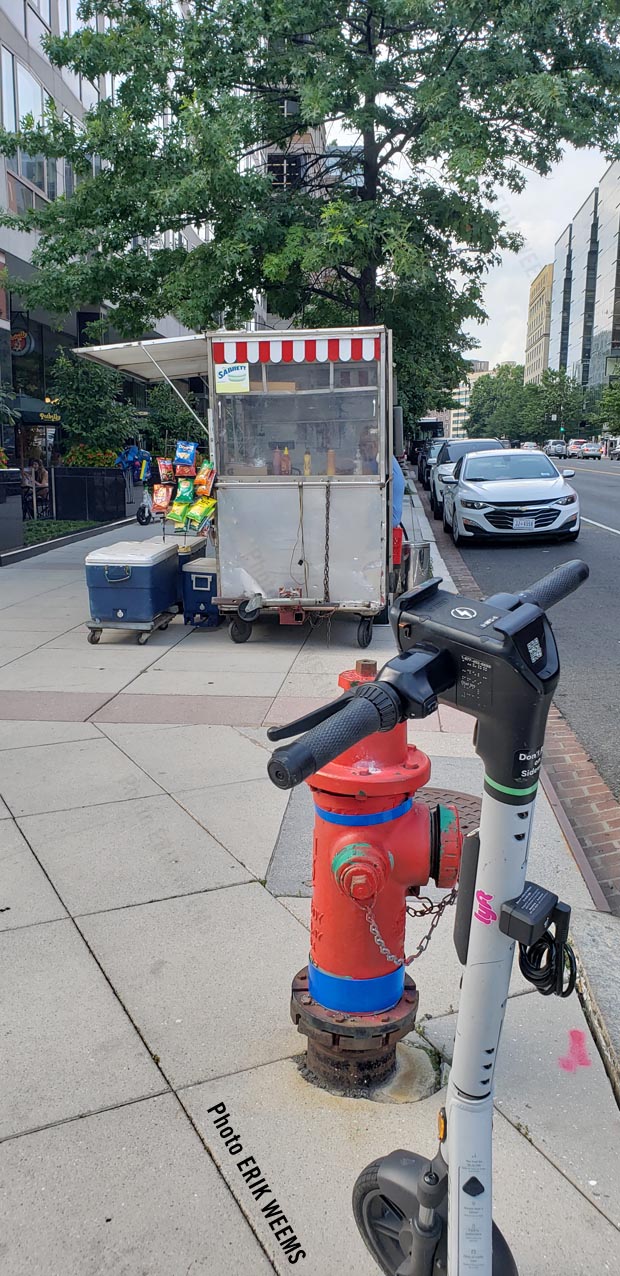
364,821
356,996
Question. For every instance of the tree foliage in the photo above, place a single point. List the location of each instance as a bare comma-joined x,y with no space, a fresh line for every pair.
89,402
502,405
435,105
608,414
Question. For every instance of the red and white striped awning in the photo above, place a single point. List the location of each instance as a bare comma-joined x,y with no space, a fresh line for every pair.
302,350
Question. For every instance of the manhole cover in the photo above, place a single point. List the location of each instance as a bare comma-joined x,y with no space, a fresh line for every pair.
467,806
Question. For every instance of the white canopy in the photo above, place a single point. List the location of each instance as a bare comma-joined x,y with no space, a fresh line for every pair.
158,359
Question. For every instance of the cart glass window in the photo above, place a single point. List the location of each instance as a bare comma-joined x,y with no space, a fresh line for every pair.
301,419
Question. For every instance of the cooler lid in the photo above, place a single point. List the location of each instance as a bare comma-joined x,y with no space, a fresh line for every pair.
131,554
201,567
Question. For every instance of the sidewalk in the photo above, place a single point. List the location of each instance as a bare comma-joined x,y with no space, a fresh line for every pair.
155,906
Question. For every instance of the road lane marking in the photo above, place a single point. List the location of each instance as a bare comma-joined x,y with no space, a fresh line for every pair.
604,526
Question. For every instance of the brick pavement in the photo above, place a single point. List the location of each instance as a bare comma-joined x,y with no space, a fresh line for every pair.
591,809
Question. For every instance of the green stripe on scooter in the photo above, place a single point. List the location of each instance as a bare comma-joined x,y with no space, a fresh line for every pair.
502,788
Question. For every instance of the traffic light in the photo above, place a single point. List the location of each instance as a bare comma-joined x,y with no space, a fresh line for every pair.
562,430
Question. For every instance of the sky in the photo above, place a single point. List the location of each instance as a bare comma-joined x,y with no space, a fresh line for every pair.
540,214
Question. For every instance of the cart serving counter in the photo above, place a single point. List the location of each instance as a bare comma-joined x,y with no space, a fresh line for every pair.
300,428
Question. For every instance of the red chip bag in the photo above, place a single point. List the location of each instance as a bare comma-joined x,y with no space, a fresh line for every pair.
166,469
162,496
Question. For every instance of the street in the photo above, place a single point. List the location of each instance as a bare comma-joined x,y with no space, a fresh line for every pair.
588,623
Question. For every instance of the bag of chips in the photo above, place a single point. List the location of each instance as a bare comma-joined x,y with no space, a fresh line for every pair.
185,459
178,512
205,479
162,496
201,513
166,469
185,490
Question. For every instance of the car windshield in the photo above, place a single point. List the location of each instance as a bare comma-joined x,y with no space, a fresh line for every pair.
453,452
434,448
502,468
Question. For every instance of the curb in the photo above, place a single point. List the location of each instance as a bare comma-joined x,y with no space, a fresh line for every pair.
32,551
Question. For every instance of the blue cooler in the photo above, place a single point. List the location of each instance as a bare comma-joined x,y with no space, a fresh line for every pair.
132,581
193,547
199,590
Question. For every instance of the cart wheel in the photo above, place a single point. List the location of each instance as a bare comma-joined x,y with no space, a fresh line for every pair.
94,635
143,516
164,627
245,612
364,632
239,629
143,638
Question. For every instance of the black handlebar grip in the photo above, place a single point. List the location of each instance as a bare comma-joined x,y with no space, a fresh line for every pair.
557,585
292,763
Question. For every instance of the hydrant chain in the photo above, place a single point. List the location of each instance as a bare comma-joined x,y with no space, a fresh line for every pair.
435,910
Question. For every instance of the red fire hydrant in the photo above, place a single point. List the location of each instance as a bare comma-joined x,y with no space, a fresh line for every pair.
373,846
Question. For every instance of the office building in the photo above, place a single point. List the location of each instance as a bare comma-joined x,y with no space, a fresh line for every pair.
538,326
585,304
459,416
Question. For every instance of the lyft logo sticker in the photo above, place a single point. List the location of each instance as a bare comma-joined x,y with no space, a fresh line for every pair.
484,913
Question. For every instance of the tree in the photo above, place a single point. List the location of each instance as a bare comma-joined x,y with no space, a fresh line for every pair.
438,105
169,420
561,396
608,414
501,406
88,400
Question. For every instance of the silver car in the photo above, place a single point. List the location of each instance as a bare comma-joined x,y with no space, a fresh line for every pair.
512,493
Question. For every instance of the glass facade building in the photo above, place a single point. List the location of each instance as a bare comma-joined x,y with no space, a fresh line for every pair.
560,301
585,304
606,334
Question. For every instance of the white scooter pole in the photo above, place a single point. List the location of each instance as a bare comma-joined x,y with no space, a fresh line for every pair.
504,841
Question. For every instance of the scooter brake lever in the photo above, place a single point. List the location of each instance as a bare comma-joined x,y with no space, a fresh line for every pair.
310,719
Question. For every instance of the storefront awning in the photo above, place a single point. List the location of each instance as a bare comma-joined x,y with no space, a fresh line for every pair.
32,411
158,359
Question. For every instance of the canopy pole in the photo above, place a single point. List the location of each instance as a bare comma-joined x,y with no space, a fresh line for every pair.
176,391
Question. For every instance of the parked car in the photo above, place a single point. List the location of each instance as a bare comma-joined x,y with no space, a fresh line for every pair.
592,452
575,446
514,494
556,447
450,452
614,450
426,459
528,446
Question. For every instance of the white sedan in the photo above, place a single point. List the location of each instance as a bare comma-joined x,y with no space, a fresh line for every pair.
510,493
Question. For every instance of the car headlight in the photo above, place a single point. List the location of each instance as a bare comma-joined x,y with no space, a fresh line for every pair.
474,505
566,500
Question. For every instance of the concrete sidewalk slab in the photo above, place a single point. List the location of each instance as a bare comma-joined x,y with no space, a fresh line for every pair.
187,710
206,978
244,817
207,682
23,735
124,1192
310,1146
5,814
76,774
69,1047
113,856
551,1085
189,757
50,706
26,896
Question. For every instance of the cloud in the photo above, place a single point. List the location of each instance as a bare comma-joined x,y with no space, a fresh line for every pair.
540,214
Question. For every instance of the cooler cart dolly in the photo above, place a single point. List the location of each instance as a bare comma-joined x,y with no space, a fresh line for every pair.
143,628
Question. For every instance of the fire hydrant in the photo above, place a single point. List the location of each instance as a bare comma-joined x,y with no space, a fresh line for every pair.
373,847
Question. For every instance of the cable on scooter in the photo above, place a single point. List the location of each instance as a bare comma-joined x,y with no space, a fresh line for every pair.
549,963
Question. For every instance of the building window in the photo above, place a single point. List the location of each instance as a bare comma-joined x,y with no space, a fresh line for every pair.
285,170
9,100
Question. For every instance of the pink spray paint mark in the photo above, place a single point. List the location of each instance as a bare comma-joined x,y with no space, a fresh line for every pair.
484,913
577,1056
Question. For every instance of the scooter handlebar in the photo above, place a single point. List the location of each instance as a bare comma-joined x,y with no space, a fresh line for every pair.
292,763
561,582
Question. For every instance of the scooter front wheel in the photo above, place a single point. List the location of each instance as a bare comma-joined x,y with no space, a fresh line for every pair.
379,1221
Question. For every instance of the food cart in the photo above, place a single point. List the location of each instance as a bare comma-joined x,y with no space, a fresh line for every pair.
300,428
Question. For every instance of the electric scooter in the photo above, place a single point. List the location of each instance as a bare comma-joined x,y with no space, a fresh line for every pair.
496,660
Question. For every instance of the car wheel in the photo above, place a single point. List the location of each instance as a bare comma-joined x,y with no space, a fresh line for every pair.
446,525
456,535
437,510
